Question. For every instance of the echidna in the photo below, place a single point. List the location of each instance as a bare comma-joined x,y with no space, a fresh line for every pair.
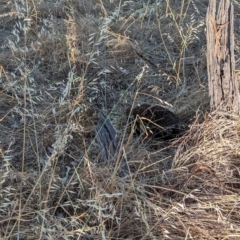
155,121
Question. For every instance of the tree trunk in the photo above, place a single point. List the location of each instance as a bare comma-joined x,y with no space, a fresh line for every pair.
223,85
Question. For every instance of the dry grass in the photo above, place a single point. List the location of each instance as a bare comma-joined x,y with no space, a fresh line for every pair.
63,61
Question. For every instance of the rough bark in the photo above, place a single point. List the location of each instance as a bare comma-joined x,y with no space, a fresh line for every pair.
223,85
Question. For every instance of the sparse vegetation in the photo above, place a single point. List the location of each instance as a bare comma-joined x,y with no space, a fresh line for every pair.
62,61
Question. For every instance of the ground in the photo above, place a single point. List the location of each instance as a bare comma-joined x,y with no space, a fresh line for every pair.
61,62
